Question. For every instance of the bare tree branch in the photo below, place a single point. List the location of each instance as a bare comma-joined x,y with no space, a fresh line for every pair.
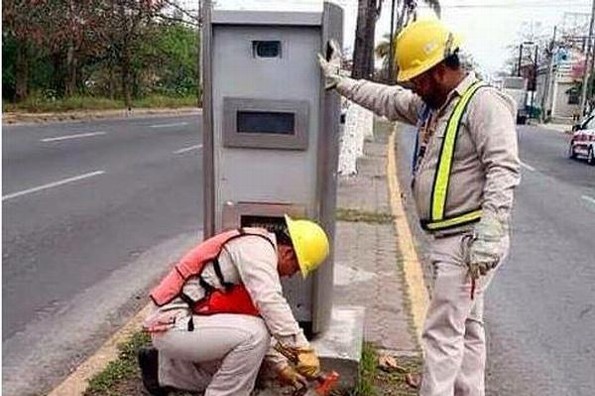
178,20
173,4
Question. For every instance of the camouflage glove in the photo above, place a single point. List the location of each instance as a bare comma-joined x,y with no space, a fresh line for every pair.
485,249
307,364
331,65
289,376
305,359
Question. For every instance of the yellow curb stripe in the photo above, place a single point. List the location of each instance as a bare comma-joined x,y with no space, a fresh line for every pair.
411,265
77,382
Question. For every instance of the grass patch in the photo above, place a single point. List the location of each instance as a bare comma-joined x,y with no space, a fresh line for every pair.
122,370
37,104
393,383
374,381
357,216
157,101
367,372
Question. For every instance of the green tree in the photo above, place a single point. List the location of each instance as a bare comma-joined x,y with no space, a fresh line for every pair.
114,48
23,28
177,46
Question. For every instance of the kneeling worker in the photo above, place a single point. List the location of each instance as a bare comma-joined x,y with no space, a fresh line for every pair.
219,306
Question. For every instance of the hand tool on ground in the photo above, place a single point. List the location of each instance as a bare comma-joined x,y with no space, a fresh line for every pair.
321,385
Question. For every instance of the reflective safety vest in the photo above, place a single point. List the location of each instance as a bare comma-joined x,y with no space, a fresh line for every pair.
233,298
438,219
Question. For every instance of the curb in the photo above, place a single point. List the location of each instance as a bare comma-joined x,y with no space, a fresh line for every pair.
565,129
44,118
77,382
414,277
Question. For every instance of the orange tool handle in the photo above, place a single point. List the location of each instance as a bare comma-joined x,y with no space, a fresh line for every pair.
327,383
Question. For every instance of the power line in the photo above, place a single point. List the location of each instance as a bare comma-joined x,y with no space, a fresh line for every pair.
509,5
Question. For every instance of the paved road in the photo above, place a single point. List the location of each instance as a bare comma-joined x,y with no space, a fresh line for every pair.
540,310
92,212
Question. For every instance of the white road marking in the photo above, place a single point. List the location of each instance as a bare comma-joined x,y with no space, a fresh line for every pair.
532,169
588,198
184,150
50,185
80,135
168,125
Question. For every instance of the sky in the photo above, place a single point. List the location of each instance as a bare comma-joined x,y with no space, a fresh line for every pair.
489,27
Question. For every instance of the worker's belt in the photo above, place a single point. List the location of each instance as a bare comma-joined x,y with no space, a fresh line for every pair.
438,220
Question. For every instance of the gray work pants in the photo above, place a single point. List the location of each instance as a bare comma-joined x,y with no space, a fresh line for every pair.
453,338
221,356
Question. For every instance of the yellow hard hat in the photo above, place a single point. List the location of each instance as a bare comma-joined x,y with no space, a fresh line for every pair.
422,45
309,242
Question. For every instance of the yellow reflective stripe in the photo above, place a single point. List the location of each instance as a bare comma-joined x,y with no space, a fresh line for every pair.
468,217
446,153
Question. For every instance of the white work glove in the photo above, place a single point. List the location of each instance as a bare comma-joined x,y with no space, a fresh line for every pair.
331,67
485,249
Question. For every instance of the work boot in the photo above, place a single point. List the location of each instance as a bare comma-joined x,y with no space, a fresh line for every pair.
148,359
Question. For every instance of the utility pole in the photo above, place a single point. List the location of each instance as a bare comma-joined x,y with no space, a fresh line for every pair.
391,45
199,57
548,78
518,69
587,71
534,79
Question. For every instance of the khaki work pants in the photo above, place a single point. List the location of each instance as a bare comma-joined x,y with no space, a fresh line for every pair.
221,356
453,338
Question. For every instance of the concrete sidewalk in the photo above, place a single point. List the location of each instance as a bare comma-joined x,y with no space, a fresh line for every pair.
368,271
564,128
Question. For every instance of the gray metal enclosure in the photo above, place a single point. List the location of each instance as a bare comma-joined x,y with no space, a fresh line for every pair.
271,131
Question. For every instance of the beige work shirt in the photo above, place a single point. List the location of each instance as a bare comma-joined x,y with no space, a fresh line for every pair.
252,260
486,166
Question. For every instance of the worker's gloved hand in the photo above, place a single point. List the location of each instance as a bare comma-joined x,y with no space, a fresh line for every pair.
331,65
485,249
289,376
308,364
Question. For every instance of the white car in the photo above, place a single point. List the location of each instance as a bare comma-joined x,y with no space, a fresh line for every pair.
582,143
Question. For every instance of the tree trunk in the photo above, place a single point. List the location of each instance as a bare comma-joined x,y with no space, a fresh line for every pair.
22,71
70,83
199,54
390,75
111,85
125,57
71,67
126,75
363,52
58,72
199,69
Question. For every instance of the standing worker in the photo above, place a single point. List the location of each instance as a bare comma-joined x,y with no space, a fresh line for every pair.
219,306
465,170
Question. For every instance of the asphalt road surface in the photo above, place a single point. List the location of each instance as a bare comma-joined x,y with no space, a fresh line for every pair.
93,213
540,309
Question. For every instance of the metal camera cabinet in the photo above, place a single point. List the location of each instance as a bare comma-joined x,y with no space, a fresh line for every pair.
271,131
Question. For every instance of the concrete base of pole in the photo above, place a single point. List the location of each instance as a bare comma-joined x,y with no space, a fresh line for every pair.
339,349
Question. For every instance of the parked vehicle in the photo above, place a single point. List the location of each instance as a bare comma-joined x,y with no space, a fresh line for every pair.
582,143
579,125
516,87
